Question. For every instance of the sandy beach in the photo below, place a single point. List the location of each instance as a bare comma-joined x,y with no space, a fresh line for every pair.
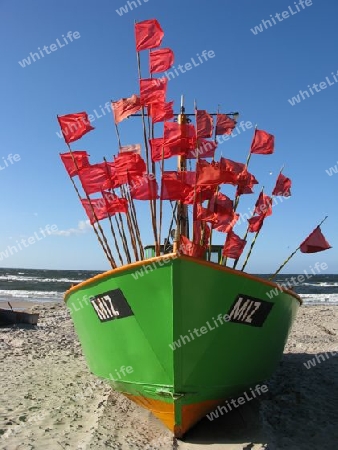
50,400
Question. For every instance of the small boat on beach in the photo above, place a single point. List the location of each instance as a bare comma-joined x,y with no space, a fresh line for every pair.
11,316
172,326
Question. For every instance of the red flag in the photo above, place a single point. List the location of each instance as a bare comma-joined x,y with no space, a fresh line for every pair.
234,246
172,186
220,200
126,107
149,34
160,112
225,221
144,188
315,242
245,183
153,90
197,194
204,124
161,60
256,223
93,178
128,166
175,133
114,204
263,205
224,124
159,149
81,159
112,182
133,148
190,248
205,214
99,207
283,186
263,143
205,149
208,173
74,126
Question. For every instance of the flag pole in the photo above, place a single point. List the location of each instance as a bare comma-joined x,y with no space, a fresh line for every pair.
181,208
246,233
153,222
254,240
111,261
246,167
292,254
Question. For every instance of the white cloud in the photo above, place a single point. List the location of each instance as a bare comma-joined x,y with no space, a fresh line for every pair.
82,227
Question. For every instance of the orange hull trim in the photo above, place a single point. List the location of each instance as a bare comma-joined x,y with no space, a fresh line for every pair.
165,412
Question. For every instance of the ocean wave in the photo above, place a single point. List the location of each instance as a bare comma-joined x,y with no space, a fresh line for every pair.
311,299
30,295
38,279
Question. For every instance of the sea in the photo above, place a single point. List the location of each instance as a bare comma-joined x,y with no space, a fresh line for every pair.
32,285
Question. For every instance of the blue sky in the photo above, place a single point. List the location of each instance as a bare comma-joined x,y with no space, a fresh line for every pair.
255,74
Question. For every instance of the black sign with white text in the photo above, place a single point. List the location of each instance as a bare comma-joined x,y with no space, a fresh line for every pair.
249,311
111,305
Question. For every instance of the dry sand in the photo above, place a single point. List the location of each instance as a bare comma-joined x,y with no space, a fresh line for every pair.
49,400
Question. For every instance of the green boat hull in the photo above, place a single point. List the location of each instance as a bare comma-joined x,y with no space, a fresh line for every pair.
179,335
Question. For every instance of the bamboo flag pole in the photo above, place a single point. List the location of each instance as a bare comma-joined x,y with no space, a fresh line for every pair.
246,167
161,201
104,246
95,230
111,223
292,254
217,188
134,220
157,251
131,203
130,225
246,233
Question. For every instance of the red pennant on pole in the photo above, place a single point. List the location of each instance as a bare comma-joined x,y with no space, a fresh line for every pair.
161,60
149,34
74,126
315,242
81,159
234,246
263,143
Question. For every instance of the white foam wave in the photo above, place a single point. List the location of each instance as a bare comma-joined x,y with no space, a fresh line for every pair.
320,298
30,295
39,279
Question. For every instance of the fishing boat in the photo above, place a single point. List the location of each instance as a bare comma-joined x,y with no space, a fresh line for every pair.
172,326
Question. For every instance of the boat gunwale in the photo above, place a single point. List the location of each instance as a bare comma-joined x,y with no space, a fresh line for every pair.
174,256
